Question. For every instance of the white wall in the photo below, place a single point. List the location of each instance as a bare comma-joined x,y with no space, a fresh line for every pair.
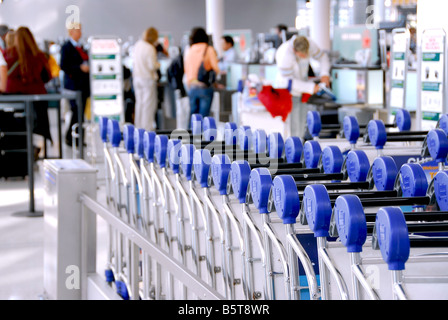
46,18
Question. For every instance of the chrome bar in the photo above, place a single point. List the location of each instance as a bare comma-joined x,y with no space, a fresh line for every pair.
200,288
307,265
340,282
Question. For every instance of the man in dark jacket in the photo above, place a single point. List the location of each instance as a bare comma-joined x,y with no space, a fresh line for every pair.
74,63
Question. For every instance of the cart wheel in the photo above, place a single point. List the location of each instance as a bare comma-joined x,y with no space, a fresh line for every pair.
109,276
122,290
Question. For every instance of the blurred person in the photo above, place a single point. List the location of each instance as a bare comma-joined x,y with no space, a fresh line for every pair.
54,66
145,78
280,30
199,59
293,59
229,53
9,39
28,71
3,31
74,63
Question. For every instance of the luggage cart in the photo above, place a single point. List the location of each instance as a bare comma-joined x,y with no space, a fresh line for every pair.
155,202
276,264
186,238
213,204
318,213
229,258
399,249
290,208
356,231
170,208
332,169
146,216
111,271
234,225
235,250
127,257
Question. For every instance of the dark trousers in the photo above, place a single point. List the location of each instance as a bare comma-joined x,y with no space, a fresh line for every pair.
200,100
74,117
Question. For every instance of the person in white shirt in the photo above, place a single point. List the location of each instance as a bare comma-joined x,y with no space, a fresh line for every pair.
144,75
293,59
229,54
3,73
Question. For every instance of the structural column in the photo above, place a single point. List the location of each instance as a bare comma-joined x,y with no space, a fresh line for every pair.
380,11
320,25
214,10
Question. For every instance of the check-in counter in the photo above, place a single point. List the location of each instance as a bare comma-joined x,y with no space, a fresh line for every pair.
359,85
240,70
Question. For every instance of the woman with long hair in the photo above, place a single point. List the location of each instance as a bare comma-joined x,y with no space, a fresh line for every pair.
145,77
28,71
199,56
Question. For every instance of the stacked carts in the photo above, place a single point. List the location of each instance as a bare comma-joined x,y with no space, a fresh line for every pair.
259,217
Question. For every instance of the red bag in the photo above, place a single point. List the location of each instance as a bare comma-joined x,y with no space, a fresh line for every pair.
305,97
277,101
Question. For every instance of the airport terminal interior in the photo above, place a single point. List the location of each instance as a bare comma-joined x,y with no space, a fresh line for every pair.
249,150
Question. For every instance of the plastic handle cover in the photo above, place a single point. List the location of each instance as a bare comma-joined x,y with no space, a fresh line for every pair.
186,160
201,163
293,149
385,171
160,149
441,189
149,138
286,198
403,120
276,145
393,237
210,132
260,182
173,152
317,206
350,222
358,166
437,143
377,133
239,177
332,159
128,138
138,142
230,134
244,137
114,133
220,169
312,153
103,128
314,123
413,180
260,141
351,129
443,123
196,124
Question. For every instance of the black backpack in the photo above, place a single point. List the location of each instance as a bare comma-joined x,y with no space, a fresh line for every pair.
175,74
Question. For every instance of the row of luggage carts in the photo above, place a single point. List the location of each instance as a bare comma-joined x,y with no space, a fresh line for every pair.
260,217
